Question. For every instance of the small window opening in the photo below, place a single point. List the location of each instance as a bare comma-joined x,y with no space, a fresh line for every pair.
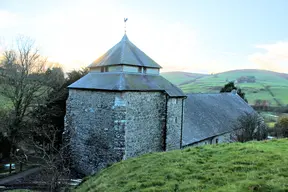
139,69
104,69
145,70
216,141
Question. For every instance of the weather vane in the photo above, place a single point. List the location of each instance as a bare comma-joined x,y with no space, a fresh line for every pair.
125,20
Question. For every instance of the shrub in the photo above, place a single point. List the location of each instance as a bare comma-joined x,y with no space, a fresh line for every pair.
282,126
250,127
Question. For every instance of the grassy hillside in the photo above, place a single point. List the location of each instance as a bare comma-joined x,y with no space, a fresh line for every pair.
179,77
270,86
252,166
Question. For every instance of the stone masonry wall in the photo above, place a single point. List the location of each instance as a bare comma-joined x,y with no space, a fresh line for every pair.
106,127
146,113
94,122
174,123
224,138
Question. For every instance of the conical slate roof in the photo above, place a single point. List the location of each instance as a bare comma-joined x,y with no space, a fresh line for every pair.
125,52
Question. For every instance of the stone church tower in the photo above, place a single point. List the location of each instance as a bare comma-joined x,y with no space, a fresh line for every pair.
122,108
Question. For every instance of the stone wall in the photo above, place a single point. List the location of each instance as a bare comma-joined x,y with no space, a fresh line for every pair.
106,127
224,138
146,113
97,137
174,123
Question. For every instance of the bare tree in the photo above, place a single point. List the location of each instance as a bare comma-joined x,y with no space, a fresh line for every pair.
250,127
53,159
23,82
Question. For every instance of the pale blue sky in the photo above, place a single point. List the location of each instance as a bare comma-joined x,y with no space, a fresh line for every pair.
188,35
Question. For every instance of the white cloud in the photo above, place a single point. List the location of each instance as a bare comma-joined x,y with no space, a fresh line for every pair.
274,57
8,19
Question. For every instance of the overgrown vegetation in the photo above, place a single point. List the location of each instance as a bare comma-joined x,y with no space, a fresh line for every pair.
250,127
32,126
235,167
24,83
281,127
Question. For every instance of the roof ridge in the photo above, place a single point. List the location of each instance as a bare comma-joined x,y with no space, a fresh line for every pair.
135,55
224,93
122,48
122,81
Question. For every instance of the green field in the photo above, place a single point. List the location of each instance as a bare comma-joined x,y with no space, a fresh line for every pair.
277,84
179,77
234,167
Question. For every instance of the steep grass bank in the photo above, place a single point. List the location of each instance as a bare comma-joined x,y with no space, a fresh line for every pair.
253,166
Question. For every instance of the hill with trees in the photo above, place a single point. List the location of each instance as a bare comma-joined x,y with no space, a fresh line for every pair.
260,86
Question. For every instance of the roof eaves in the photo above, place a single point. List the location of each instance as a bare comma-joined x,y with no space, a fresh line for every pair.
193,143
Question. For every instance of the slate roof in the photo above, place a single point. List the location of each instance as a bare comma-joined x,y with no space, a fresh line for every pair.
119,81
208,115
125,52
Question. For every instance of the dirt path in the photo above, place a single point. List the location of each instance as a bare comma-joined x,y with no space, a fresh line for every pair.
19,175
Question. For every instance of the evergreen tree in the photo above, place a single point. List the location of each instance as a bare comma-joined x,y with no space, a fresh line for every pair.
231,86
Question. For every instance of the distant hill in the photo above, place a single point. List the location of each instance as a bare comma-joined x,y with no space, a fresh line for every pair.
251,166
257,84
270,86
178,77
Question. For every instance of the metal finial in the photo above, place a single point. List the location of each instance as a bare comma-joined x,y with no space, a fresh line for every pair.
125,20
